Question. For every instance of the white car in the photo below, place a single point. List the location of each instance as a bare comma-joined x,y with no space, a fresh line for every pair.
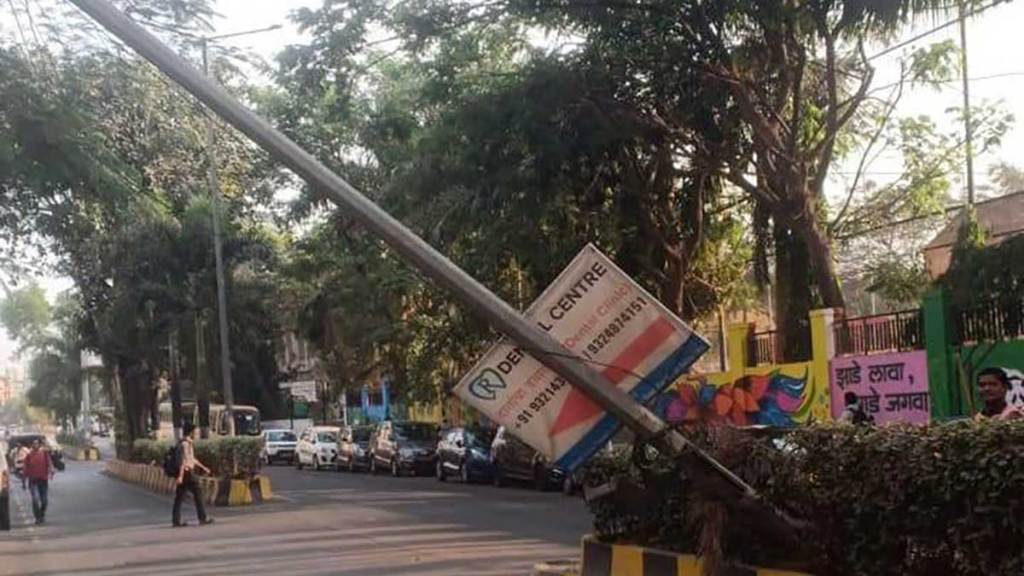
278,446
317,447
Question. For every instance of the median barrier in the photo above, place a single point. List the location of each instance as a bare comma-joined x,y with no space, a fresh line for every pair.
601,559
557,568
84,454
216,492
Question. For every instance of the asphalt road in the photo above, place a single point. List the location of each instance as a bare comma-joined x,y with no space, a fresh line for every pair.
319,523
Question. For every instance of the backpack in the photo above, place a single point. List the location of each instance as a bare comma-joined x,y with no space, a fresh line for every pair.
172,461
862,418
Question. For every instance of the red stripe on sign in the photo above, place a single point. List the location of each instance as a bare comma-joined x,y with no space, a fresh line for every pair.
639,350
579,408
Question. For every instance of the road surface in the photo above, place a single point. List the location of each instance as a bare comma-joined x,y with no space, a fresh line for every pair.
321,523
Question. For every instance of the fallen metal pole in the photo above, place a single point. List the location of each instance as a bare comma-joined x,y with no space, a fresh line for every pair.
413,249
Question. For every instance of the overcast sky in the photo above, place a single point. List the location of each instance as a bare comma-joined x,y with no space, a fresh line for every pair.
995,44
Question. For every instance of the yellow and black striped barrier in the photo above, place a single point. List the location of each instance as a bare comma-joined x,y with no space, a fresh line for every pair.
600,559
216,492
84,454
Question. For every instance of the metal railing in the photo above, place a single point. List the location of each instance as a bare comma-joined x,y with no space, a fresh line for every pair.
893,332
989,322
765,348
770,347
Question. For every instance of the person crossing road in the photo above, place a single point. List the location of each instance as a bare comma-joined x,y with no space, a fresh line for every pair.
186,478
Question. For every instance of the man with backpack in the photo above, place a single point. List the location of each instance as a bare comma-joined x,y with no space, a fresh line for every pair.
854,413
186,465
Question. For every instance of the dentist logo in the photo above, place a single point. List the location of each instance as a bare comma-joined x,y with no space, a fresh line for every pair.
487,384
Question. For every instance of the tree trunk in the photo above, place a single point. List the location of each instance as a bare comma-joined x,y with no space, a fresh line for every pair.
672,285
819,255
793,297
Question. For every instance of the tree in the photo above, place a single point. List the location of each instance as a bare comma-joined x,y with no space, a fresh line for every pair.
26,314
102,164
47,334
1006,177
510,166
679,101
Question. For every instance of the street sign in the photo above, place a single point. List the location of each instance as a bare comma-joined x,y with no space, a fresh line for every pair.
305,390
607,320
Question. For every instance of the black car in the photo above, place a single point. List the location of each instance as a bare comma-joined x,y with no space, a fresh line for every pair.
354,448
465,453
514,459
402,447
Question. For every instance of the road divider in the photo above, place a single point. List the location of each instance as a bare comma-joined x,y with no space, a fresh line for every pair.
84,454
601,559
216,492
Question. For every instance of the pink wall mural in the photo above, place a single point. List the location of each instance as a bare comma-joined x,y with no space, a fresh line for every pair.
891,387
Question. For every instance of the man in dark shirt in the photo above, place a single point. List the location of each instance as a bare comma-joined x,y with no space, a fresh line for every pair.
993,384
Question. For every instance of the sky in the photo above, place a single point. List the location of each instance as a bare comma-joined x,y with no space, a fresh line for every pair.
994,40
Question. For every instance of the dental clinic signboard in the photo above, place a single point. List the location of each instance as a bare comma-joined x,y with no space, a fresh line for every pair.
596,311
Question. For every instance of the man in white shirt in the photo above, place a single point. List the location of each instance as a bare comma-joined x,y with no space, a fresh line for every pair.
187,481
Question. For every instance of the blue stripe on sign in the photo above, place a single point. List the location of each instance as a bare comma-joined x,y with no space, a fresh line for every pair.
661,377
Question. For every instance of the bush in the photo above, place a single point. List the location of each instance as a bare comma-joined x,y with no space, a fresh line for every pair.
73,440
237,457
942,499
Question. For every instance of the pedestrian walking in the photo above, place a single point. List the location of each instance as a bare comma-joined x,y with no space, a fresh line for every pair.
20,453
186,480
39,472
854,413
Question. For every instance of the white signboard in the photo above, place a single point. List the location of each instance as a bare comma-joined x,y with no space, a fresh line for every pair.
90,360
595,310
305,390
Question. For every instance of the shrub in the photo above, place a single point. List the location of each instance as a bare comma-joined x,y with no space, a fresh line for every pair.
942,499
73,440
237,457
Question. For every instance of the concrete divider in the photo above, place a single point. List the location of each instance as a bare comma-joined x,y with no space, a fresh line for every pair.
601,559
84,454
216,492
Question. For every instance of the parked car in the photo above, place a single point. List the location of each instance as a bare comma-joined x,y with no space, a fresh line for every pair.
5,489
354,448
514,459
317,447
49,443
573,483
404,447
279,446
465,453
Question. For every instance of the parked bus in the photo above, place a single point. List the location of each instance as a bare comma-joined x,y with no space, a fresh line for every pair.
166,430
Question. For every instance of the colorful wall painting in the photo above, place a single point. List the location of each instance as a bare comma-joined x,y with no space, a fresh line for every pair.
779,396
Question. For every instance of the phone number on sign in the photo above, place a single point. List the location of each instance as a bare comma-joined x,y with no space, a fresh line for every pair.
540,401
606,336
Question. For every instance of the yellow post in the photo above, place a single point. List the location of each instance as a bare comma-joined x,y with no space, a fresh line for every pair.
823,346
739,350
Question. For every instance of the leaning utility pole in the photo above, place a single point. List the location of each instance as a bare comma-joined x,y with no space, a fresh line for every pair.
410,247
